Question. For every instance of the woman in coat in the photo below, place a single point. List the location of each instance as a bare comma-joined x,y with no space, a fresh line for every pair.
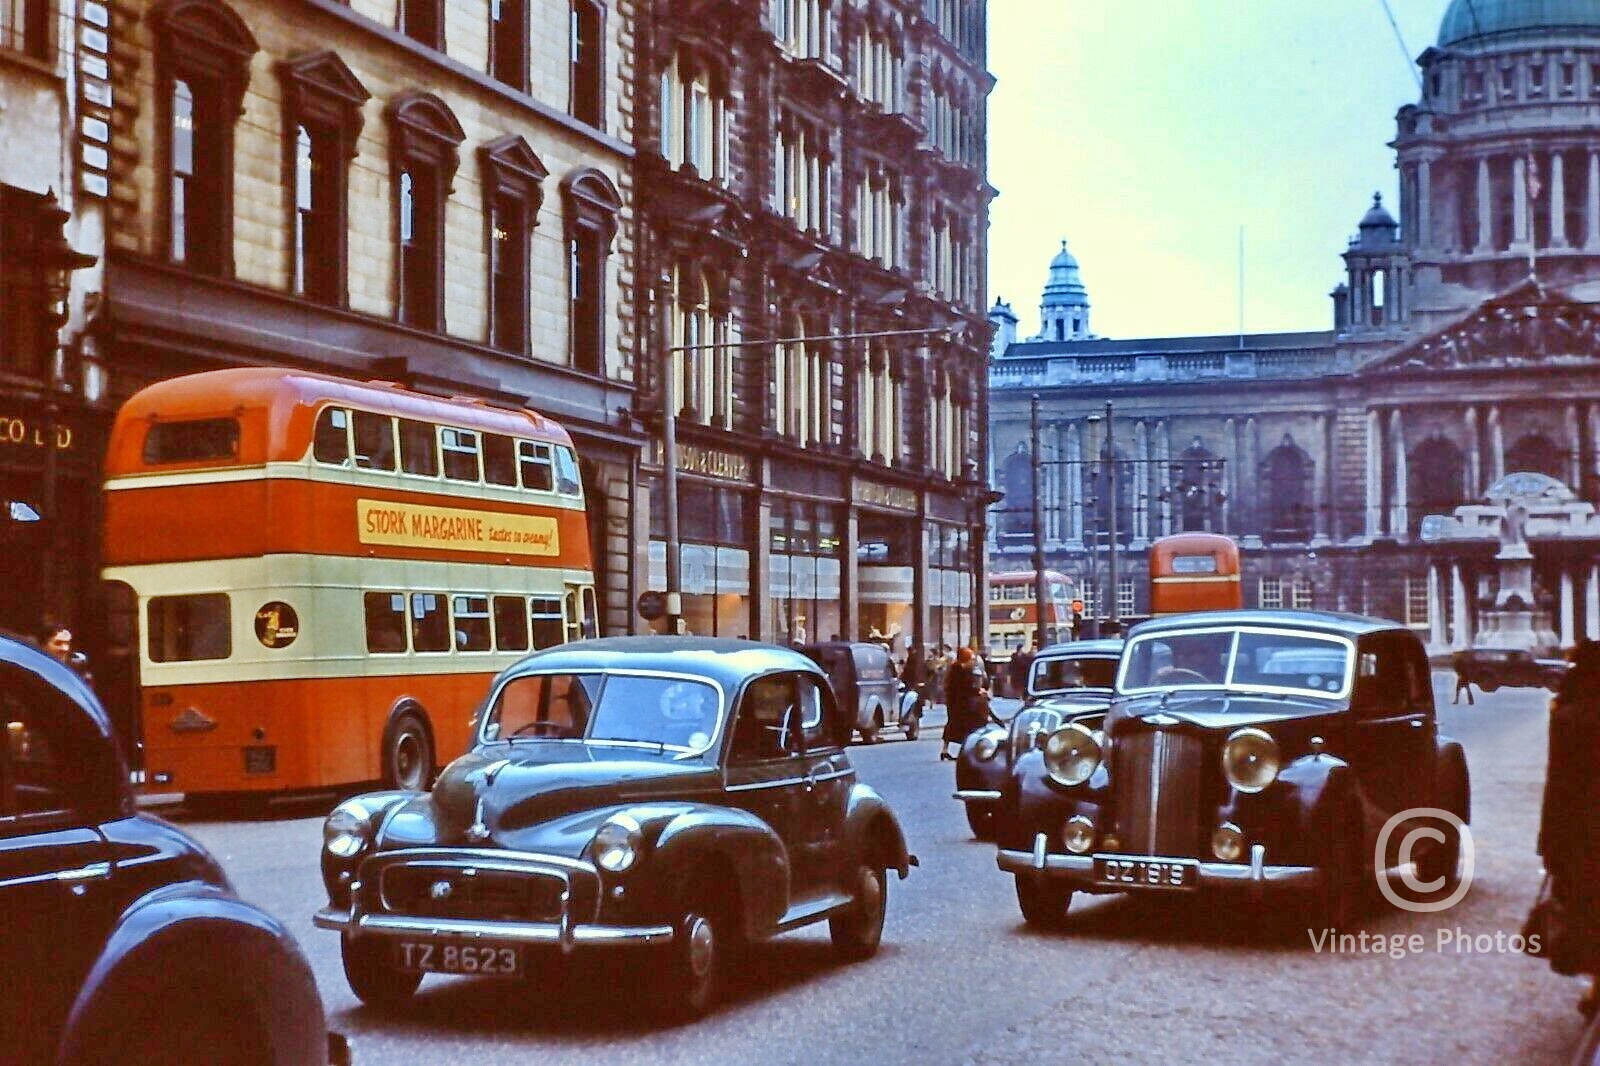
1569,825
966,700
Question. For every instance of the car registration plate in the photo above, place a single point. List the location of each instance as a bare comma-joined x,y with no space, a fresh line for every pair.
1122,871
423,957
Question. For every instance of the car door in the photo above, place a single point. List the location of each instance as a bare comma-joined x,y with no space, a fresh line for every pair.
766,770
56,904
828,777
1392,749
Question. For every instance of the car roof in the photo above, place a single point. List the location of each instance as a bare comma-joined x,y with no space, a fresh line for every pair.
1348,625
725,660
25,656
1081,649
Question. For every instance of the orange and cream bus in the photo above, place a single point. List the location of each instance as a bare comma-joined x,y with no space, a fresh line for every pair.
1014,616
325,574
1194,572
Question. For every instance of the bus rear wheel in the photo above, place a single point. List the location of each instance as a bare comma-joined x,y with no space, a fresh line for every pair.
408,754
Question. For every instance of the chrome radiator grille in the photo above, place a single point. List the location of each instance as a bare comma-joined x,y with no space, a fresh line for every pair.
1156,779
1026,725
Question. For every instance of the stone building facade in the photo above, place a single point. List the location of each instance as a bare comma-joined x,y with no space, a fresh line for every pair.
810,171
1462,351
54,90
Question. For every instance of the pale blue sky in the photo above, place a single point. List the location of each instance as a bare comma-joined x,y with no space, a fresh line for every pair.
1146,132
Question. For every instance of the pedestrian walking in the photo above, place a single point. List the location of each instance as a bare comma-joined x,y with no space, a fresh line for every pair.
966,697
1020,666
1569,823
1463,678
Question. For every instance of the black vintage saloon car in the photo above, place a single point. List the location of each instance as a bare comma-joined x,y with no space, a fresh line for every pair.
120,939
1244,750
1066,682
670,795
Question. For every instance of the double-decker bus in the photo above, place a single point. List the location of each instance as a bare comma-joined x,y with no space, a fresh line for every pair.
317,577
1194,572
1014,616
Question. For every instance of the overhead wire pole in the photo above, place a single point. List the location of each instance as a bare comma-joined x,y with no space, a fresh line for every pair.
1111,492
1040,584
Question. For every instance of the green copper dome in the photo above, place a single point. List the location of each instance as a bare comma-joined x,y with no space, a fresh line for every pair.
1468,20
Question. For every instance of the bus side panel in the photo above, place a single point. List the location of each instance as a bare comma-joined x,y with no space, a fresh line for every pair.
1174,595
167,524
217,737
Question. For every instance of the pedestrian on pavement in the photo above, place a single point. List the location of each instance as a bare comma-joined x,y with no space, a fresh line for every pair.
55,639
1569,824
1019,667
1463,678
911,672
966,697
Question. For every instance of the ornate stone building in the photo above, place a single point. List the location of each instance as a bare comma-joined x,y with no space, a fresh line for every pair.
1463,350
807,170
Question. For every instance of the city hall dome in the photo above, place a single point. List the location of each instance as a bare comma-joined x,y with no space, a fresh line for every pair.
1470,20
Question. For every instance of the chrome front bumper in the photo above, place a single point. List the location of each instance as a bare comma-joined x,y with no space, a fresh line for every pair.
566,935
977,795
1255,875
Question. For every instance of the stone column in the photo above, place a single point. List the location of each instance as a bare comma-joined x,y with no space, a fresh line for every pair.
1594,444
1474,454
1141,485
1591,603
1425,203
1558,201
1252,476
1074,484
1051,446
1575,458
1397,453
1497,448
1485,241
1374,474
1230,442
1164,455
1520,237
1591,213
1569,611
1436,638
1461,609
1319,480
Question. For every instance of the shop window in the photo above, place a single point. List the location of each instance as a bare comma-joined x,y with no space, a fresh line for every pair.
546,621
190,628
510,623
587,64
508,42
537,466
323,102
499,460
430,625
513,195
459,448
197,440
423,21
203,55
386,622
418,448
374,441
426,135
330,442
470,614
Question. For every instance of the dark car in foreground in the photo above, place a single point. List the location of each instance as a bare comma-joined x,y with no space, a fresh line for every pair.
120,938
1262,751
671,796
1066,682
1490,668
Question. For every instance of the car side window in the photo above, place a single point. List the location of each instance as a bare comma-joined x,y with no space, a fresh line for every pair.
769,723
813,719
41,767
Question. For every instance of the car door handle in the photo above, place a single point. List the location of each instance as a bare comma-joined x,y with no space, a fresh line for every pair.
95,871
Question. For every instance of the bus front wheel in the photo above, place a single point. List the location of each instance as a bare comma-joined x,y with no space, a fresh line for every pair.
408,754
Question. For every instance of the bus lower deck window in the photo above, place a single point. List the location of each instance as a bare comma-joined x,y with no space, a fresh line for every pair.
499,460
386,622
190,628
471,617
419,448
199,440
510,623
374,437
331,443
549,625
430,627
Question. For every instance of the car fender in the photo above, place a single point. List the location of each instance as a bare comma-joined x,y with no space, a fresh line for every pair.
171,946
872,832
1452,764
684,839
1294,815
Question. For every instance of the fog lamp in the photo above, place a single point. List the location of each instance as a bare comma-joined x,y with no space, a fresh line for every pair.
1078,834
1227,843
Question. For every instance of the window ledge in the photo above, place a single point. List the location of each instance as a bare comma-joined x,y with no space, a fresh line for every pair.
10,57
341,11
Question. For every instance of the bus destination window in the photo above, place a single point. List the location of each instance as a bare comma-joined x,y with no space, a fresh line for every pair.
199,440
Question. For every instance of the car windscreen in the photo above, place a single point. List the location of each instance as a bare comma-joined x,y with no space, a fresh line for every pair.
682,713
1061,675
1252,659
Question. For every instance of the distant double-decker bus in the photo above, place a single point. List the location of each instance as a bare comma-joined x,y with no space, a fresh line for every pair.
1194,572
321,575
1014,616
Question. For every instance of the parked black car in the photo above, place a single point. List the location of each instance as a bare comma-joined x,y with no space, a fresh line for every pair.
1255,750
670,795
866,687
1066,682
120,938
1490,668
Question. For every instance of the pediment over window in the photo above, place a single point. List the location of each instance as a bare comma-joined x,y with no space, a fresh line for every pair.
510,165
591,197
206,39
425,128
319,86
1527,327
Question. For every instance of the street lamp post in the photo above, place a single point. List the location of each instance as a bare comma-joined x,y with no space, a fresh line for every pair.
1040,585
1111,492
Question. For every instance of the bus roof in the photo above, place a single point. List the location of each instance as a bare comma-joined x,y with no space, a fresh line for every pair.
1025,576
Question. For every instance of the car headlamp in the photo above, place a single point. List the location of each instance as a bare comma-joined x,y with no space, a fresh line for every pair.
1250,760
986,746
618,844
348,829
1071,755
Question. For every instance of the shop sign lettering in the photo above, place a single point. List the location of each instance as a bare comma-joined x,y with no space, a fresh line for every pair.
20,433
709,462
878,495
409,525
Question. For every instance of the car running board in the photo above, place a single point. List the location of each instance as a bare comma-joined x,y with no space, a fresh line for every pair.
807,911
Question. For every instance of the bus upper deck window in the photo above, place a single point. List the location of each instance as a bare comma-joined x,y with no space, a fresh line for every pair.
567,482
193,441
374,438
331,444
460,449
419,448
190,628
386,622
430,627
471,617
499,460
538,469
549,628
510,623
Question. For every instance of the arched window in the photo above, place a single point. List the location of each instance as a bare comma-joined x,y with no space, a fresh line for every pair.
1195,487
322,102
802,383
425,136
513,193
592,204
1535,453
1286,485
1016,518
694,116
1436,480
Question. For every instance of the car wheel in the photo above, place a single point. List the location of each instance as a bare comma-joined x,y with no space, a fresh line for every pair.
858,931
1442,862
691,980
1043,901
981,820
408,755
374,978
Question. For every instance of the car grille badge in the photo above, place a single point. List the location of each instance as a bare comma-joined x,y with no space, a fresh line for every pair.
478,831
441,890
1160,721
